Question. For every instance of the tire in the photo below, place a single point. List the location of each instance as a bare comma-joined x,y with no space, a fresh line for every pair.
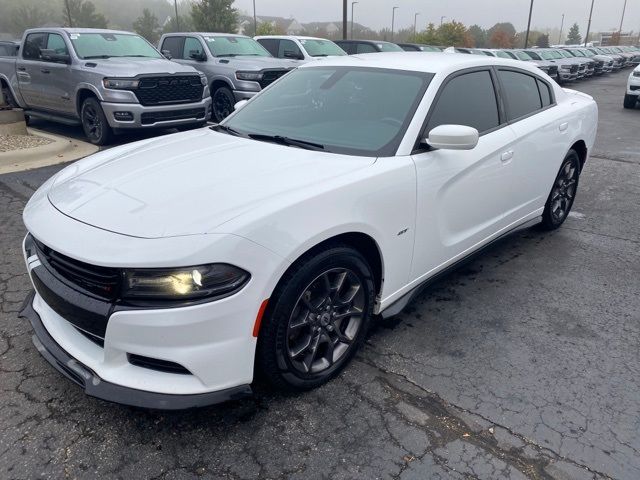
304,312
563,192
222,104
94,123
9,99
630,101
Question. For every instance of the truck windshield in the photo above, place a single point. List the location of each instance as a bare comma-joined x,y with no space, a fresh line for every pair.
523,56
220,46
321,48
389,47
106,45
336,109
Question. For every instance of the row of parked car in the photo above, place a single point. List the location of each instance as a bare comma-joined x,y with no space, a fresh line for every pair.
110,81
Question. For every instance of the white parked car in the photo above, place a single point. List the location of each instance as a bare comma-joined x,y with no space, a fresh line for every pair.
167,271
299,48
633,89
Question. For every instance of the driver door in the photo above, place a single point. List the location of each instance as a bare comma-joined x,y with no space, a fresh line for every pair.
462,195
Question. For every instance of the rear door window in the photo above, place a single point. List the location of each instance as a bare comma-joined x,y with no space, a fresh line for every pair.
520,92
271,44
289,49
366,48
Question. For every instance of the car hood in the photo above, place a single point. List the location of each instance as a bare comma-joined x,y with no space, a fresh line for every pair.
131,66
189,183
257,63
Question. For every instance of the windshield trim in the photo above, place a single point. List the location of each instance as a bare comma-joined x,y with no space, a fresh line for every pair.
388,150
111,33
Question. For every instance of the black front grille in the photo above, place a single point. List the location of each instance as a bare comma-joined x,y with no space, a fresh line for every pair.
149,118
270,76
103,282
574,69
169,90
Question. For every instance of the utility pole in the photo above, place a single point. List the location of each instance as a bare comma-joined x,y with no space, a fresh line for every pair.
255,19
352,4
561,27
586,38
393,20
526,39
415,24
344,19
175,4
66,4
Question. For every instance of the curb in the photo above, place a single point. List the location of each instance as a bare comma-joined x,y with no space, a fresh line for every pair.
61,150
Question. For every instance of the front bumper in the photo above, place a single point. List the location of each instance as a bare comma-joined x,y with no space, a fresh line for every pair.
159,116
95,386
566,75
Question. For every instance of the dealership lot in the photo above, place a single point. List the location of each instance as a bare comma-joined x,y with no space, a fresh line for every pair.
524,364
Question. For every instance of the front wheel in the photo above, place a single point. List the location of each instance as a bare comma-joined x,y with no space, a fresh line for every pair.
563,192
223,103
94,122
317,319
630,101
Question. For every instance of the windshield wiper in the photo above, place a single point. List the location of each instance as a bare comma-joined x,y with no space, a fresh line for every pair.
224,128
292,142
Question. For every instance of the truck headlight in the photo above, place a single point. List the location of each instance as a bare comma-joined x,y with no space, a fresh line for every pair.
120,83
203,80
250,76
190,283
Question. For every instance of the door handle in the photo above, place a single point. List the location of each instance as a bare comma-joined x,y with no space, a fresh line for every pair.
45,70
506,156
22,69
563,126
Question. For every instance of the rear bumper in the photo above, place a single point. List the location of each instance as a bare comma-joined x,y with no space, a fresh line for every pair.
167,116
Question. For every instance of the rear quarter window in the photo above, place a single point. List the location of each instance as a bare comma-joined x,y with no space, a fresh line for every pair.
520,92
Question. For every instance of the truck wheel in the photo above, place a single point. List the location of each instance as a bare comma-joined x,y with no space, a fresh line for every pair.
223,102
94,122
630,101
8,98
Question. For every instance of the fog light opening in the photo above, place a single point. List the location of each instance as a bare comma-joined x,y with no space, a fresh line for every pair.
123,116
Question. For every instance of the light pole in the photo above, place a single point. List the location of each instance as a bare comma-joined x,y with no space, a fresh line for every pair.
393,20
586,38
175,4
561,27
442,19
344,19
526,39
415,24
352,4
255,19
622,20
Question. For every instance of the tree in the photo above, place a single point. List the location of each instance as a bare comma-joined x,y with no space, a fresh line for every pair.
25,17
80,13
452,34
479,36
574,37
147,25
268,28
543,41
501,39
428,36
506,27
214,16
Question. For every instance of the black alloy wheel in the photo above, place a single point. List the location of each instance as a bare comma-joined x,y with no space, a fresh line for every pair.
563,192
223,103
94,122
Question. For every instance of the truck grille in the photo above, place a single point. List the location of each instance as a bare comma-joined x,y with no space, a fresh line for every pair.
553,71
149,118
574,69
169,90
270,76
103,282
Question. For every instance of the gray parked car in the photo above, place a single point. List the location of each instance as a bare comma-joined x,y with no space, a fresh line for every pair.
567,69
547,66
105,80
236,66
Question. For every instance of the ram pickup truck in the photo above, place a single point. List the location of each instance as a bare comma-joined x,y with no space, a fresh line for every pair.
105,80
237,67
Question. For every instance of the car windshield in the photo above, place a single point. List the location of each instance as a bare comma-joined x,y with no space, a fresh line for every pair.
577,53
550,55
220,46
106,45
429,48
501,54
587,53
389,47
523,56
321,48
340,109
564,53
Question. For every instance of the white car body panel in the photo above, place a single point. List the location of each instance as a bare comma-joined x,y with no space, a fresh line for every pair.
634,81
204,197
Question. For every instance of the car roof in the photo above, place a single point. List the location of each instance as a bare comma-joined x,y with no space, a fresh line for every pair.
206,34
355,40
429,62
292,37
80,30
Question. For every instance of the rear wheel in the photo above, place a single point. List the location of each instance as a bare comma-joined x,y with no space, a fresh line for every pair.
630,101
562,193
317,319
94,122
223,102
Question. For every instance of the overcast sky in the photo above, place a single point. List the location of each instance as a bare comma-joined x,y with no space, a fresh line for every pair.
377,13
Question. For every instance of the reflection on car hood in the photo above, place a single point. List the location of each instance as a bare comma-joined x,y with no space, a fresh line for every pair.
258,63
188,183
132,66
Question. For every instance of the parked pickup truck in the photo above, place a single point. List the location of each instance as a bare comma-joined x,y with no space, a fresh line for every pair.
237,67
105,80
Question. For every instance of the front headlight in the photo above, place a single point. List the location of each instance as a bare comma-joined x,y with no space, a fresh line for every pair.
203,80
190,283
636,74
120,83
250,76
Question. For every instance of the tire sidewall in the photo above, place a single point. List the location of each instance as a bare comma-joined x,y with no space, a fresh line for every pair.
547,219
106,129
227,93
272,340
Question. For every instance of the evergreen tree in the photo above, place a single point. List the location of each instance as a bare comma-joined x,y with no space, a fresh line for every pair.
80,13
214,16
147,25
574,37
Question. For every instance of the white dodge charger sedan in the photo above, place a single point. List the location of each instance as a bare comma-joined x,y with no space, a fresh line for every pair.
169,271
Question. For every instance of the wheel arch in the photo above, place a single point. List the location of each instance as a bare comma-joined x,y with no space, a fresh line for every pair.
81,95
580,148
217,83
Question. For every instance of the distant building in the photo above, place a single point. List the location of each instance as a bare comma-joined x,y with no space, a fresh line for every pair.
626,38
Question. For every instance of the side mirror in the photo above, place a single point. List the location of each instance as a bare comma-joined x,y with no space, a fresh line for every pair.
51,56
197,55
240,104
453,137
167,54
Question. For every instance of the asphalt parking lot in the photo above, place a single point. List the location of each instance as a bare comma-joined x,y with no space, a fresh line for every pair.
524,364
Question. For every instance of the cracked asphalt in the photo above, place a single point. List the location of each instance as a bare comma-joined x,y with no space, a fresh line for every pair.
524,364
